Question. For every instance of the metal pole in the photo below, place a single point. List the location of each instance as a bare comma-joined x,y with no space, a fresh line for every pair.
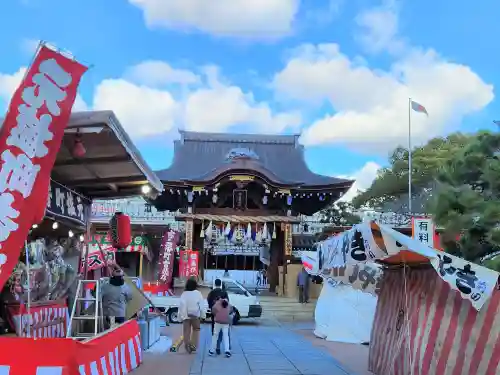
28,279
409,157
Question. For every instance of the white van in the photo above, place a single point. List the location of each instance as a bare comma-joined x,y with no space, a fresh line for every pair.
246,304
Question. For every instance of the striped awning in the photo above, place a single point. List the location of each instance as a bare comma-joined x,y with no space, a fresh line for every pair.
238,218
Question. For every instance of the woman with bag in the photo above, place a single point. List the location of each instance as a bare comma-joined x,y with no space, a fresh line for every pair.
191,312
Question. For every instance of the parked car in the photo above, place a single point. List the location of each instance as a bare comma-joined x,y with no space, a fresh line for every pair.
245,303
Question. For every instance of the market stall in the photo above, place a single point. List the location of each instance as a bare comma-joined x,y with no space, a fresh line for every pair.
50,172
436,313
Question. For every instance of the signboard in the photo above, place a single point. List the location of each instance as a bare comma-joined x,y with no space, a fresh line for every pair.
139,211
472,281
95,259
288,240
370,241
167,254
65,203
30,138
366,277
188,265
423,230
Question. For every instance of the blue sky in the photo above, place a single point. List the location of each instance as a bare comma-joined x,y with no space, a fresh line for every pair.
338,71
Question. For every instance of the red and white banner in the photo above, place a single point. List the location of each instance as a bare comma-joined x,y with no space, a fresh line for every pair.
48,319
188,265
30,139
167,255
117,352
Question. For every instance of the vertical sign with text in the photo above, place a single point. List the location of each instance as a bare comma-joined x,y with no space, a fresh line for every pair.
423,230
167,255
30,138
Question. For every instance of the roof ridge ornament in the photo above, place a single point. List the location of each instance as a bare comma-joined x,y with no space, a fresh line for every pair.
239,153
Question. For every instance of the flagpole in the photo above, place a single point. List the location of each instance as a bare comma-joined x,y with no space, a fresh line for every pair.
409,156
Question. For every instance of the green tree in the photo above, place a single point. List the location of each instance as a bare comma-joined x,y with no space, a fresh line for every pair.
392,181
339,214
466,199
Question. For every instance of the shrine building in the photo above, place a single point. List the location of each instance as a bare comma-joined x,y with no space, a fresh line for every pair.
239,195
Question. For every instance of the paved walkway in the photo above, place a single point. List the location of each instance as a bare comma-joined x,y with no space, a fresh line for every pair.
265,350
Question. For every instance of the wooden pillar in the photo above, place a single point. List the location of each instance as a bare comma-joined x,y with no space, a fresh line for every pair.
287,253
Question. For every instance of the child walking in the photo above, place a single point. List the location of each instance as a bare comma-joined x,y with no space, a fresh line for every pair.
221,312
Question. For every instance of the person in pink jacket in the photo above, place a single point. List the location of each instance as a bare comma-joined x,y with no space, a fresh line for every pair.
221,312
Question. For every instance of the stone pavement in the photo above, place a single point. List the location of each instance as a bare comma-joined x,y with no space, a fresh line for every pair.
264,350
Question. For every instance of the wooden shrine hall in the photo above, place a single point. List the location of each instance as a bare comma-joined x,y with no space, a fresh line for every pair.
239,195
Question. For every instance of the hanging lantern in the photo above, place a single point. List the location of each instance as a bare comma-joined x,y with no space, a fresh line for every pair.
79,150
274,231
120,230
214,198
248,234
190,197
202,232
289,200
208,231
228,229
264,199
264,231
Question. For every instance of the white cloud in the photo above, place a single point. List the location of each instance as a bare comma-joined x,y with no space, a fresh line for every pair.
212,105
209,103
142,110
371,106
159,73
261,19
363,177
379,27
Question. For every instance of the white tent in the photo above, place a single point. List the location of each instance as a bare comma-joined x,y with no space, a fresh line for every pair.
344,314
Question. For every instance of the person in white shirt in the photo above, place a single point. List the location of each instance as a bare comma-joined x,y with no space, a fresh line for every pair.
191,311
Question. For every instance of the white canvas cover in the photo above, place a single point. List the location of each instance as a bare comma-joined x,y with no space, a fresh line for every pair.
344,314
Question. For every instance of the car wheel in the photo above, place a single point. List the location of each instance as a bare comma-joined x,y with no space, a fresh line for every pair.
173,315
236,317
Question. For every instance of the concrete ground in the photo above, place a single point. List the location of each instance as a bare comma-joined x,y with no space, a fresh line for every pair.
263,349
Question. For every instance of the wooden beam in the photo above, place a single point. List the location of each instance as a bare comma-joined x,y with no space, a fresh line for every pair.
131,180
92,161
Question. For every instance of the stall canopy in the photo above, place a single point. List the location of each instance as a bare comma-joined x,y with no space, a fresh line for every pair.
110,165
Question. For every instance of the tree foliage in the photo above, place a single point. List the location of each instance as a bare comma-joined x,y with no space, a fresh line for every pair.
392,181
339,214
466,200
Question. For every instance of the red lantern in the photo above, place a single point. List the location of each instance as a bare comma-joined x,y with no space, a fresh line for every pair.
79,150
120,230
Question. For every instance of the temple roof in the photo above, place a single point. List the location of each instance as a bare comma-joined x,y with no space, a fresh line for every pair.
279,158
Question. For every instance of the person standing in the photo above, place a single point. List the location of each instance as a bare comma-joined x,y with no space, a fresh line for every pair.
303,284
214,295
115,295
191,311
226,273
221,311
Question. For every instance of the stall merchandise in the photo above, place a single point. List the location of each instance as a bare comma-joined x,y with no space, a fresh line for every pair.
50,278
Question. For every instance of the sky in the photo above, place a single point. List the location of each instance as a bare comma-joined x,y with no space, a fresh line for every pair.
338,72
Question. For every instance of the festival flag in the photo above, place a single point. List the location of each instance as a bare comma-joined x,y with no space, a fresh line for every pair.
30,139
418,107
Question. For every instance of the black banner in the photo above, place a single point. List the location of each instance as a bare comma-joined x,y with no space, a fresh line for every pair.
67,204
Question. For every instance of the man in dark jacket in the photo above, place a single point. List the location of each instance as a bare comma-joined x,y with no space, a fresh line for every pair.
213,296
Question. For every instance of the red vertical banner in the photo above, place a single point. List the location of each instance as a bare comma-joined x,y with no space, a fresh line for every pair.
30,139
167,254
193,263
188,266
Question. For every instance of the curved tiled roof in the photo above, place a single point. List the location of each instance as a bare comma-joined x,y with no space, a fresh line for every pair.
280,158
